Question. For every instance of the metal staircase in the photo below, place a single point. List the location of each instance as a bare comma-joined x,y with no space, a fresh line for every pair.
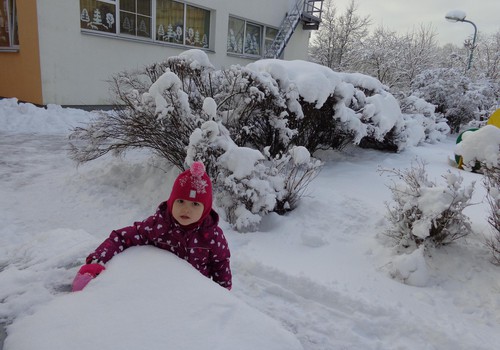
306,11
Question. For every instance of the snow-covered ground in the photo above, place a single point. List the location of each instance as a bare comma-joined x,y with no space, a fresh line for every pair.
317,278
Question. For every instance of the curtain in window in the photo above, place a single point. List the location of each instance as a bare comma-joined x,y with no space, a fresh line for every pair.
253,38
170,21
8,24
197,27
235,33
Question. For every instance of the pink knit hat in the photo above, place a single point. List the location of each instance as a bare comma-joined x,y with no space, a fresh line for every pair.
193,185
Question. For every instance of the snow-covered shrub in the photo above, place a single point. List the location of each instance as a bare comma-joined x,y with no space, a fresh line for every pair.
492,184
456,96
419,113
265,114
154,109
425,213
491,171
247,184
297,169
328,110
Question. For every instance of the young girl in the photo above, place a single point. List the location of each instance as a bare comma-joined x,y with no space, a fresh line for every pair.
185,225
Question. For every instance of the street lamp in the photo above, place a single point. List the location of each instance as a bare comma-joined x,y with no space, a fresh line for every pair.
459,16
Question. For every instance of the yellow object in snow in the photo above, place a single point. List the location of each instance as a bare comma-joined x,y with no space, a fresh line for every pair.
494,119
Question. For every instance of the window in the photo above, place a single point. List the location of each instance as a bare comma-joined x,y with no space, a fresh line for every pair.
235,35
173,21
183,24
197,26
244,37
98,15
170,21
269,37
8,24
135,17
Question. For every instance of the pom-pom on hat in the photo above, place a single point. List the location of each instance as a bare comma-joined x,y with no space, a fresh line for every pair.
193,185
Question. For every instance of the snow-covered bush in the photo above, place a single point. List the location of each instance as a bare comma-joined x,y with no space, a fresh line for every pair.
492,184
419,113
425,213
267,114
153,110
328,110
247,184
459,99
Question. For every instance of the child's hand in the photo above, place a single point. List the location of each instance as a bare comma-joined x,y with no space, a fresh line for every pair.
85,275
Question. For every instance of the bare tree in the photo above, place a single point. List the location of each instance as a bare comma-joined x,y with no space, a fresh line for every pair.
419,53
338,36
487,56
380,56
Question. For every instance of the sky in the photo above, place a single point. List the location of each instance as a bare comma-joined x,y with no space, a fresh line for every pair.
403,16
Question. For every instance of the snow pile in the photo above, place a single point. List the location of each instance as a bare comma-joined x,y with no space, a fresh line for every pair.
32,119
411,268
482,145
145,292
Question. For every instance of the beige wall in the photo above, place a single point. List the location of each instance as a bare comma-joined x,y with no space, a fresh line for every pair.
20,71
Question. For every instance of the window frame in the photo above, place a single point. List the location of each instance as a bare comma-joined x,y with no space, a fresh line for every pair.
12,27
243,51
136,25
154,27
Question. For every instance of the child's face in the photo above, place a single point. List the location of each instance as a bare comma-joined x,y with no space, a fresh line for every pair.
187,212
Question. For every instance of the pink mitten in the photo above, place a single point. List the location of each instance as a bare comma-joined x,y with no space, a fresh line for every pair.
85,275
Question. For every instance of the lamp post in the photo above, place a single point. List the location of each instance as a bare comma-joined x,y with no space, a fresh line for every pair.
459,16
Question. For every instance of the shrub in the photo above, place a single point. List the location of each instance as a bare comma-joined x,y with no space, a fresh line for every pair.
424,213
492,184
247,184
459,99
270,114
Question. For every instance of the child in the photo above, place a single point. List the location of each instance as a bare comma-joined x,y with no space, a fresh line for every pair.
185,225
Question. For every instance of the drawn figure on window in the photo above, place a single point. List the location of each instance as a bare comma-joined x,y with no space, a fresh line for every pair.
110,19
204,41
190,37
178,34
143,28
232,45
96,23
251,44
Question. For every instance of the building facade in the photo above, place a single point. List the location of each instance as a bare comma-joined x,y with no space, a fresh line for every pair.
64,52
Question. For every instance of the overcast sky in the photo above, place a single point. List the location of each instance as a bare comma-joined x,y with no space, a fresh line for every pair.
405,15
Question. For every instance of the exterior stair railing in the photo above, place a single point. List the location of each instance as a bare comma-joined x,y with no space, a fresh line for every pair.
306,11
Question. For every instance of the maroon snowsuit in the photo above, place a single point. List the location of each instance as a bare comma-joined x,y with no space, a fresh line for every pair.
204,246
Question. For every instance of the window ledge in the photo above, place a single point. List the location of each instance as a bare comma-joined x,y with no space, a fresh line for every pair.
248,57
9,49
142,40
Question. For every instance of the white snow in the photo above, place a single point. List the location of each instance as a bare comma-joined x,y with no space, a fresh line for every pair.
314,82
480,145
198,59
321,277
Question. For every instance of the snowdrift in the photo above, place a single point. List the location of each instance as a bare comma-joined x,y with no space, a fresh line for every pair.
148,299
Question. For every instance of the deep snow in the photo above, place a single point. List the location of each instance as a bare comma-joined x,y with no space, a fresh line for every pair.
317,278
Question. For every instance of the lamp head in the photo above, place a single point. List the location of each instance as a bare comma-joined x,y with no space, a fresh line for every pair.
455,16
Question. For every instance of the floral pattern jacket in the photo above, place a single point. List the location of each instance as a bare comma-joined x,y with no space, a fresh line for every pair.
204,247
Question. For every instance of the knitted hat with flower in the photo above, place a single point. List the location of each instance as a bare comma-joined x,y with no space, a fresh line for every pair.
193,185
